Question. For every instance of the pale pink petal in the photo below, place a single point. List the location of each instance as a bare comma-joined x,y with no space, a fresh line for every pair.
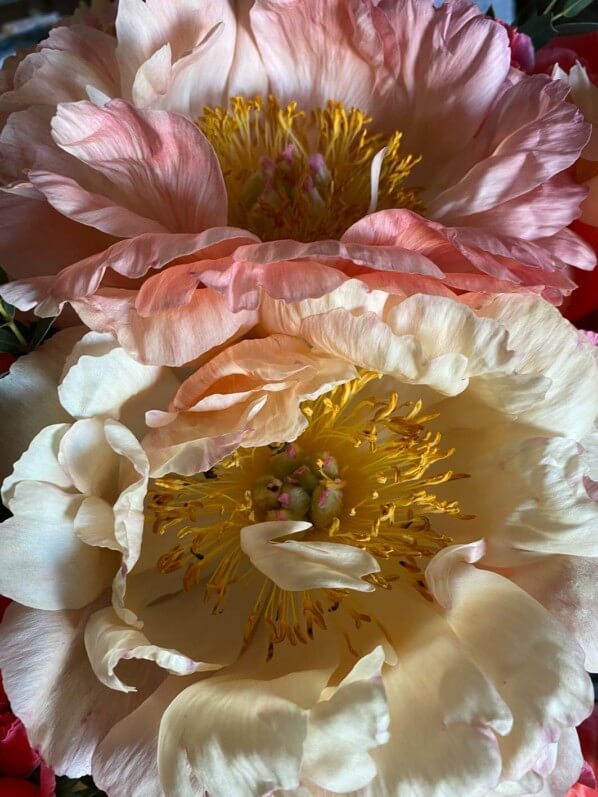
159,165
53,690
152,78
529,136
70,199
567,586
224,64
433,59
142,28
69,61
131,258
310,52
56,243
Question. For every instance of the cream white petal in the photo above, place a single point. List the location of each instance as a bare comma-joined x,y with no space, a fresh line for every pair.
39,462
297,566
536,666
28,395
52,688
567,586
344,727
435,692
44,564
88,459
108,641
550,346
101,380
125,762
249,741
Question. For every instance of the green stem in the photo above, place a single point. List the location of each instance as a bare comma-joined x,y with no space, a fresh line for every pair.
549,8
10,323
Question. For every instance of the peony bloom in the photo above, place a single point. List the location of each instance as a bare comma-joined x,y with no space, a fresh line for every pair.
356,554
280,150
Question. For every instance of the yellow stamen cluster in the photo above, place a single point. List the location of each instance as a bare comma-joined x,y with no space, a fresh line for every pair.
383,452
306,176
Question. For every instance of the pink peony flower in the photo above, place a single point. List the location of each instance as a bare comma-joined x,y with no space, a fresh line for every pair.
388,142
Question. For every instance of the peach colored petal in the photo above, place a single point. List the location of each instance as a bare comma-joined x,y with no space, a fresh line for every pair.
132,258
171,337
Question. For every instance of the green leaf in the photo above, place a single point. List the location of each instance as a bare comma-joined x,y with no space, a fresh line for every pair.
574,7
40,332
539,28
7,310
574,28
8,343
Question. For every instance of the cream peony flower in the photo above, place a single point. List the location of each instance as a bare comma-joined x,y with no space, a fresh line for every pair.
280,147
367,565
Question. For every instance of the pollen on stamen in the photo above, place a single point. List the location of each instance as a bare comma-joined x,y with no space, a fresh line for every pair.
306,175
380,498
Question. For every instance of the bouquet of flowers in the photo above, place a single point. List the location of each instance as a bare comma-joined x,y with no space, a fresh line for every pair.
300,453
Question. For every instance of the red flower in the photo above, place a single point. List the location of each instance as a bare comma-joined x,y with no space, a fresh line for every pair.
6,360
17,759
588,736
566,50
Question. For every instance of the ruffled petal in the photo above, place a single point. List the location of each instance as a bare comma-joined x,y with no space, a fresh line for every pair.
251,738
173,337
529,656
344,728
108,641
101,380
250,392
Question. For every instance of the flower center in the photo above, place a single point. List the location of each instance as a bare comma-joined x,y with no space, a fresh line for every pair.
307,176
358,474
